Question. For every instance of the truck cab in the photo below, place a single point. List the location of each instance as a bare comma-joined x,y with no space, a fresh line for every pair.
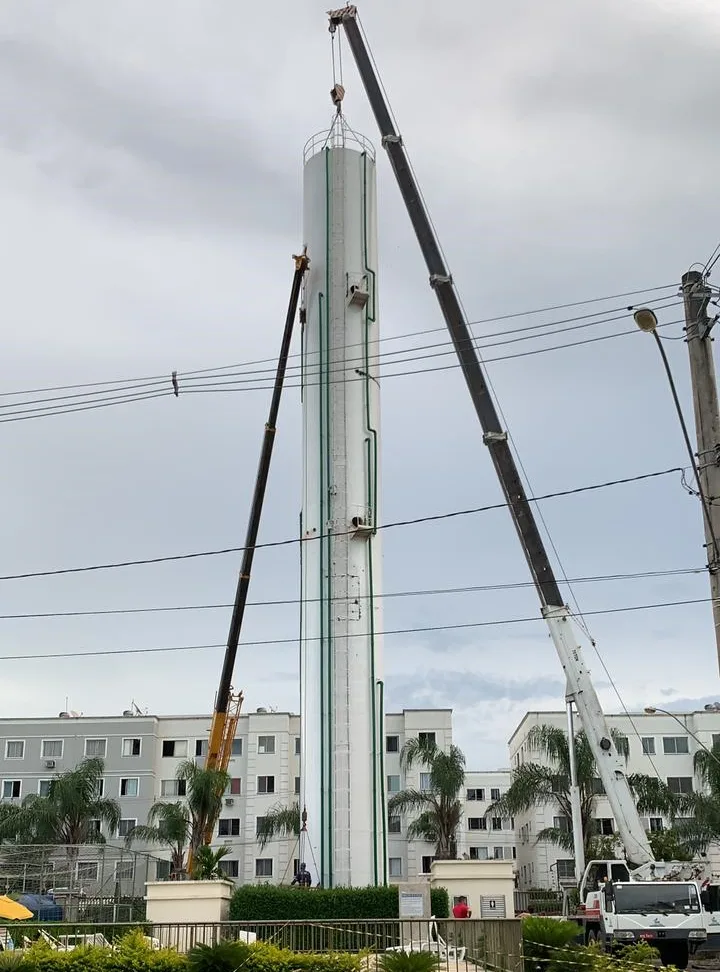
666,914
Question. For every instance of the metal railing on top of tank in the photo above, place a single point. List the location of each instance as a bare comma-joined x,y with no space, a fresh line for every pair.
339,135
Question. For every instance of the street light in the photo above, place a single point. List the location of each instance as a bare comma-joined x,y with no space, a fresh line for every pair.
647,321
654,710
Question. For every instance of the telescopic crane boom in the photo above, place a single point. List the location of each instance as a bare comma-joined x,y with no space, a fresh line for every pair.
611,765
227,704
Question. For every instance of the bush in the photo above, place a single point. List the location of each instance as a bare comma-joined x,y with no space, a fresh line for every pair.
131,952
263,957
408,961
543,938
270,903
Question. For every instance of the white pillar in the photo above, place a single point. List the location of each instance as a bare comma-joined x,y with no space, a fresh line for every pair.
340,656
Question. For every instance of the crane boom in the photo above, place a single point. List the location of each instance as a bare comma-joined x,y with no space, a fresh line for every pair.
611,764
227,705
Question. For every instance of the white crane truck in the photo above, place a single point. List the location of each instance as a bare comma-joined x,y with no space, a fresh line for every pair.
665,907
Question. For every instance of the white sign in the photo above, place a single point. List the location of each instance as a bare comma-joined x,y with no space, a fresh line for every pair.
411,905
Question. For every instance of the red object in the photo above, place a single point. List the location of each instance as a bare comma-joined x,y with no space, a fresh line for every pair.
461,910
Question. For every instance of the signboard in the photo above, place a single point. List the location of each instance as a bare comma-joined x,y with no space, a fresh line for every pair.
411,904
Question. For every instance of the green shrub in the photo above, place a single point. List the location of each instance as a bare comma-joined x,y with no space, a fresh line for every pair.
642,953
270,903
408,961
223,957
543,938
131,954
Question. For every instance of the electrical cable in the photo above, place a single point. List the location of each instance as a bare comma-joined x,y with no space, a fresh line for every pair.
463,626
427,592
435,517
150,380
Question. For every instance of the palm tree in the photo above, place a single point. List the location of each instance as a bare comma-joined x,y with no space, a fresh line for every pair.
438,806
548,784
279,821
170,825
68,814
185,826
206,864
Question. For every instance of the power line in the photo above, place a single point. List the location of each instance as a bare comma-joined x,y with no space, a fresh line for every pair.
426,592
391,631
160,379
296,540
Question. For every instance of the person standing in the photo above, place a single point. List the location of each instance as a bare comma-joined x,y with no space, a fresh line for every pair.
461,910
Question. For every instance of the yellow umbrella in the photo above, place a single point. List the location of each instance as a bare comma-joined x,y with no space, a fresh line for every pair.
12,910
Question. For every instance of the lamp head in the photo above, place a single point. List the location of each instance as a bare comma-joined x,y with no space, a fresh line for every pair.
645,319
650,710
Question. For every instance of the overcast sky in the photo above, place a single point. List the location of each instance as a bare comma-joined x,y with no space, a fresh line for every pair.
150,191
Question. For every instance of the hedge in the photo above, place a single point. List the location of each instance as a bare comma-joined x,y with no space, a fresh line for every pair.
268,902
132,954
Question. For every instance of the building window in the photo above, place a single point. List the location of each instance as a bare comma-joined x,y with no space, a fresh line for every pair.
131,747
236,786
495,793
497,853
230,869
562,824
297,786
95,825
229,827
566,870
266,745
100,789
394,825
475,794
129,786
173,788
392,744
96,748
497,823
124,870
427,864
675,745
259,825
680,784
648,746
162,870
297,745
393,784
263,867
201,747
395,864
236,748
478,853
11,789
426,738
656,825
87,870
266,784
425,782
604,826
477,823
598,788
44,788
126,825
622,744
716,740
514,853
52,748
15,749
175,748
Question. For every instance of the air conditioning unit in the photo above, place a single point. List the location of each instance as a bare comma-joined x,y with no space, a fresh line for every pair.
229,802
49,764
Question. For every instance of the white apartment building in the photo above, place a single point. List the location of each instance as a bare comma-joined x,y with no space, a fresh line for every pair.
142,753
658,745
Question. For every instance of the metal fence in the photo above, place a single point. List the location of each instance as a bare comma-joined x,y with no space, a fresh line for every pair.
81,877
495,944
540,902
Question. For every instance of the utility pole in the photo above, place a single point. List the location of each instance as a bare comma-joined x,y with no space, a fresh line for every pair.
696,296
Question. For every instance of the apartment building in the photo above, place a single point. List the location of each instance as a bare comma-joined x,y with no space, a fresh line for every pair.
658,744
142,753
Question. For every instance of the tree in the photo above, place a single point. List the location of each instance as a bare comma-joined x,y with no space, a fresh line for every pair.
438,806
170,825
279,821
548,784
182,826
206,863
69,812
